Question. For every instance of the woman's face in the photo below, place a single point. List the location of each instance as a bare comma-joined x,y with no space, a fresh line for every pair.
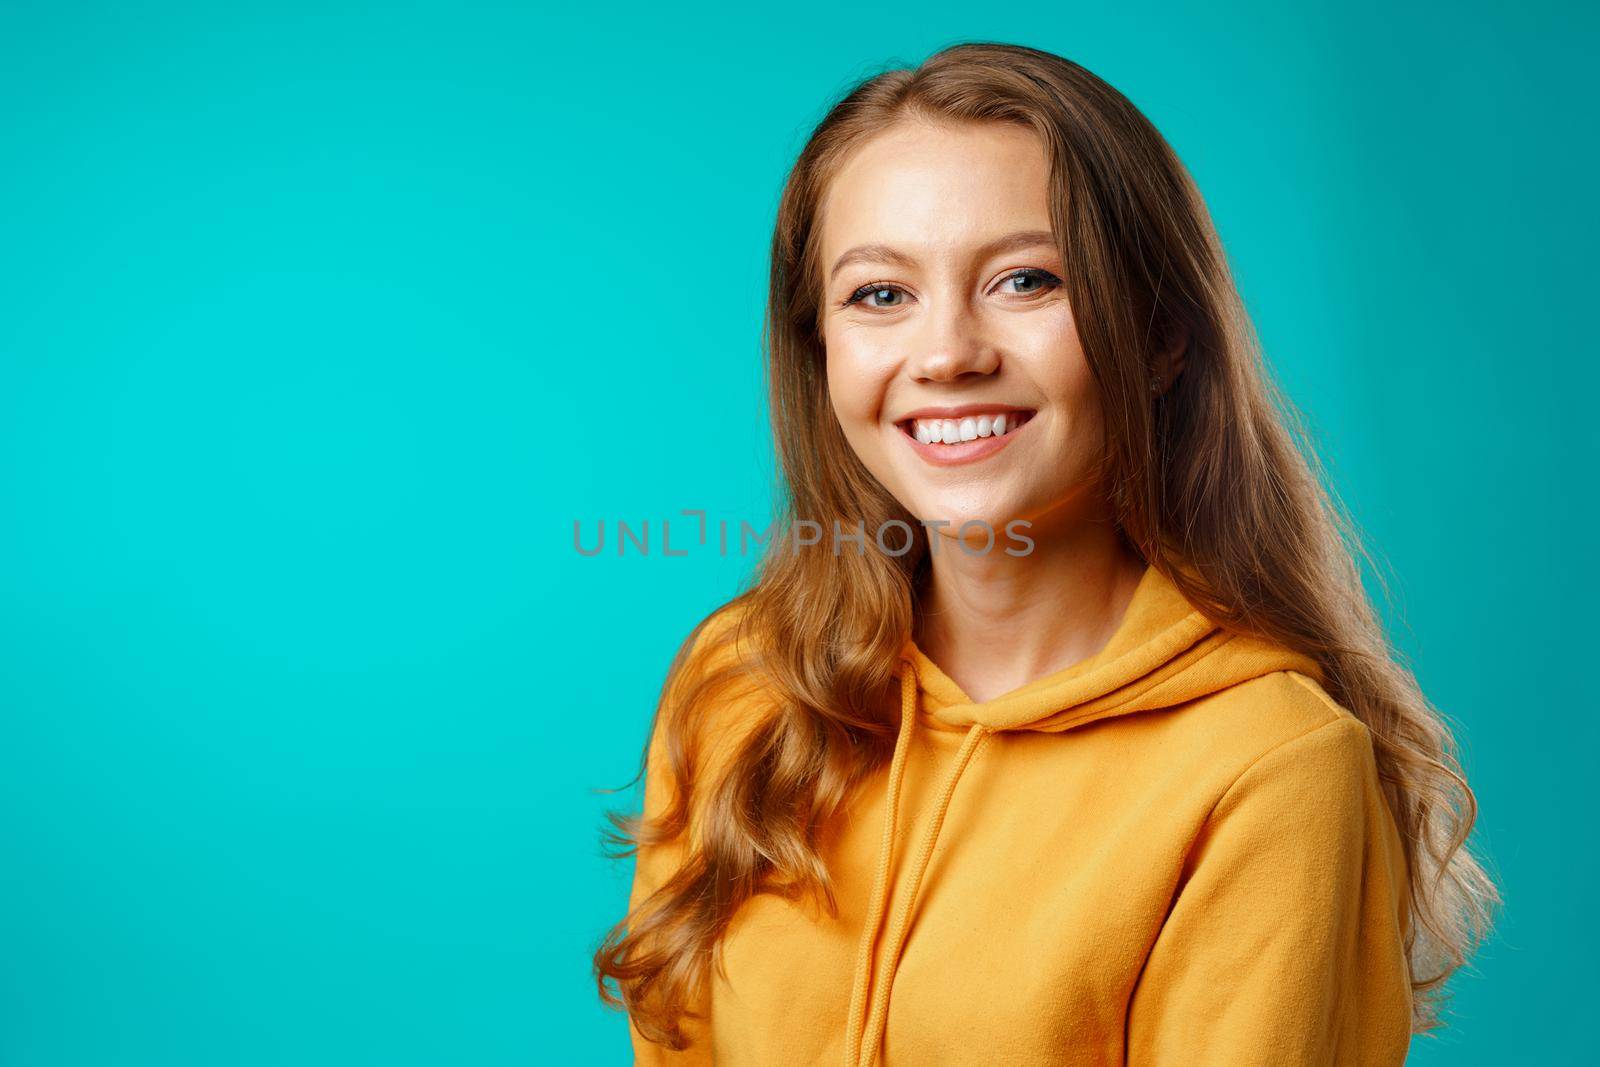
953,359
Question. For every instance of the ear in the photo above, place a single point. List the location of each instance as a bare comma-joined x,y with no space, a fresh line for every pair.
1169,363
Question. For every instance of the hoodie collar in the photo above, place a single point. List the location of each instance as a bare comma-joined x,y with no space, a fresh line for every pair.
1164,652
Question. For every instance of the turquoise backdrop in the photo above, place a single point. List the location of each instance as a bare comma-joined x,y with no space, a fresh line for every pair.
323,322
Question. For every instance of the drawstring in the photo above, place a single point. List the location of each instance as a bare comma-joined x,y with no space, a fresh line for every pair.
869,931
861,1047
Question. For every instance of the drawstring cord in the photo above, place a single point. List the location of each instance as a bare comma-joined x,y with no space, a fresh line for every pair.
857,1053
875,908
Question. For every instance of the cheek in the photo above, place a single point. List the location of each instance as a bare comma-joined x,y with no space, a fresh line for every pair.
1062,370
1078,391
857,380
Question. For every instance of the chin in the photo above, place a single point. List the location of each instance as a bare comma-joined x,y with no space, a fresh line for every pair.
956,515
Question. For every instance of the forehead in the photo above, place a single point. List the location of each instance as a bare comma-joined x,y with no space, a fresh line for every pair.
937,189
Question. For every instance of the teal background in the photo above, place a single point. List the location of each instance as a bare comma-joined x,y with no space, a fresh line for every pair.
323,323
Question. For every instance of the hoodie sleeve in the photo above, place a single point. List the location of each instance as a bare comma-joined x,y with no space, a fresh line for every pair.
1285,942
718,734
652,867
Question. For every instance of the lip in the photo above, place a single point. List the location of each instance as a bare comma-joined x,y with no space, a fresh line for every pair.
960,410
958,455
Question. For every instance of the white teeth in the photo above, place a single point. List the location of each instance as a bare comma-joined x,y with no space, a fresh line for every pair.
955,431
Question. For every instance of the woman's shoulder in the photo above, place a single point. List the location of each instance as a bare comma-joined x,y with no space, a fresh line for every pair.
1286,729
1281,706
1282,724
716,681
721,643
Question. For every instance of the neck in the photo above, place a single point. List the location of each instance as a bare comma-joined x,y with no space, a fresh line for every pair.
993,622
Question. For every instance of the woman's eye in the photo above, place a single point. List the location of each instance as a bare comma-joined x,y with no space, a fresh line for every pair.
872,291
1038,281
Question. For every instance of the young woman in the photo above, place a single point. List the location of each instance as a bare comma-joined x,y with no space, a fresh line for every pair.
1113,763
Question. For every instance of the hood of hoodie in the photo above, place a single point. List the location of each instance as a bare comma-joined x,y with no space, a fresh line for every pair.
1163,653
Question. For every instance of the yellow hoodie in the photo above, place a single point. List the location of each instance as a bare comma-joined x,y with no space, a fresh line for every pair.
1175,852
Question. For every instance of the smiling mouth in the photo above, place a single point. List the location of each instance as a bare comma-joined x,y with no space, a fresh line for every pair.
956,431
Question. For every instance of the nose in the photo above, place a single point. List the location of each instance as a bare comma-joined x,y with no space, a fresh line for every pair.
951,346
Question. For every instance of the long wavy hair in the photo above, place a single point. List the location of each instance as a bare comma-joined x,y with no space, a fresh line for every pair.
1211,482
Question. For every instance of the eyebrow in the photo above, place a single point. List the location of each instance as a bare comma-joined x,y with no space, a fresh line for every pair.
881,253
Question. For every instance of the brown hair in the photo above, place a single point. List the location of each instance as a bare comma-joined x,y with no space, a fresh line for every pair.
1211,483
